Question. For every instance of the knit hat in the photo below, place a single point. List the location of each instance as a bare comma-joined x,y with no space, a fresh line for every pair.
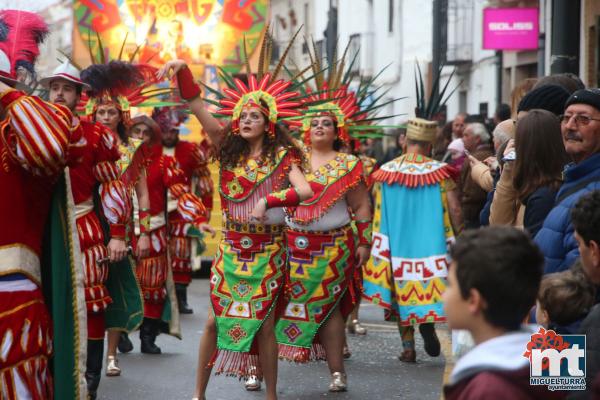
548,97
457,145
585,96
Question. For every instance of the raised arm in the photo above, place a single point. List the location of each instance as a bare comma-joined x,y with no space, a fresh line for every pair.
190,91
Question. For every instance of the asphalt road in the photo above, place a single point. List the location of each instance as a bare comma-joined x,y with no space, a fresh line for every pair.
374,371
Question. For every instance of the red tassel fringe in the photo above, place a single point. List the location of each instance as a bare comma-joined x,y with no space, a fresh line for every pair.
236,363
302,355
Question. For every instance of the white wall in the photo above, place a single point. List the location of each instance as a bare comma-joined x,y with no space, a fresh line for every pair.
479,78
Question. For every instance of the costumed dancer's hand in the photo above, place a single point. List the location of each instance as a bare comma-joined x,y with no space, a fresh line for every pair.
206,228
117,249
143,247
259,213
170,69
362,255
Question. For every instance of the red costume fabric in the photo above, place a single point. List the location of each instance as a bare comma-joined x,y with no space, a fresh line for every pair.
34,145
163,177
98,165
192,159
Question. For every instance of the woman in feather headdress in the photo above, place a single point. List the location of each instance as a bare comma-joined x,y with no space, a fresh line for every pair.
323,252
259,175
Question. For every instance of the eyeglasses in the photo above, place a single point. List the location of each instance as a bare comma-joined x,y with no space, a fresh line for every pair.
580,120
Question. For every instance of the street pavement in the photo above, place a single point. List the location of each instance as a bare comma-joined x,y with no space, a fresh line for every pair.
374,372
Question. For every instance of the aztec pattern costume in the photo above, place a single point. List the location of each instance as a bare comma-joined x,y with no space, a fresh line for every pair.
321,247
412,229
320,237
248,273
406,274
36,141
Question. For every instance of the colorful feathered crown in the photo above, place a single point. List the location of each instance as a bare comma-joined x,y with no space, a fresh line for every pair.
353,111
169,117
264,90
121,83
21,33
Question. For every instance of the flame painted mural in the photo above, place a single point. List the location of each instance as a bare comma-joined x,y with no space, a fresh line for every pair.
203,32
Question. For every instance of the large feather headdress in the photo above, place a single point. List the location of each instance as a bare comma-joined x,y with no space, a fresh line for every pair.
264,89
21,33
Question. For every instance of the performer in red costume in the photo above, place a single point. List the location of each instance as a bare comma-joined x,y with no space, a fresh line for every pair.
36,138
98,166
192,158
113,88
164,179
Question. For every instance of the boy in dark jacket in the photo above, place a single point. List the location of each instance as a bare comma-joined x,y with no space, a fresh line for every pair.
585,217
492,284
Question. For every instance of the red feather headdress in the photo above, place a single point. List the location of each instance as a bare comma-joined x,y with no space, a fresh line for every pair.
21,33
263,90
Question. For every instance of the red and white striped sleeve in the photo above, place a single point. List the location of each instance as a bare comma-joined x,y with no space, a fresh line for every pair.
36,133
189,206
114,196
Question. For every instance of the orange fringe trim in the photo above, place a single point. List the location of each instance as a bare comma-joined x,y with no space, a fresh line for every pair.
326,198
411,180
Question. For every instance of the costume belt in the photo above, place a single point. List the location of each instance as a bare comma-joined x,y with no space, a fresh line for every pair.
17,258
252,228
83,208
341,229
156,221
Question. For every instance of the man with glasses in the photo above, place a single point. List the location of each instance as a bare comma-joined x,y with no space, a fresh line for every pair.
580,125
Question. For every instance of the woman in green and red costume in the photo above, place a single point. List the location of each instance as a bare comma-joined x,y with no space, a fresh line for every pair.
322,252
259,174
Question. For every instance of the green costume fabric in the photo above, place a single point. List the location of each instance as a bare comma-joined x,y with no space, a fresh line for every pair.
62,283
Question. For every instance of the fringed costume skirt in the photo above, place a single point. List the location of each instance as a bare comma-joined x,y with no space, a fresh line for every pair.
246,283
321,270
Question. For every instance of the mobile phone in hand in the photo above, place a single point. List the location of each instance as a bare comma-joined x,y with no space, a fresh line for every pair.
511,156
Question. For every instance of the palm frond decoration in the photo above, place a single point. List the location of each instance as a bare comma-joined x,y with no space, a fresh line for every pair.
429,106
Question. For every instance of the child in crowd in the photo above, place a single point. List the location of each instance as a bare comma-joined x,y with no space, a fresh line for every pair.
564,300
585,217
487,265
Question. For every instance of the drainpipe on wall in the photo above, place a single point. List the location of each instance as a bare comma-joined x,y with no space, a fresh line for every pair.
566,23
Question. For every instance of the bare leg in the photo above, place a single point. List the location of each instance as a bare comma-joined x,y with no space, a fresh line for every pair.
267,353
208,345
332,337
113,342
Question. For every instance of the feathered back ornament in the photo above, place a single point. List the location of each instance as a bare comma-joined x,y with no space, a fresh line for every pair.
429,106
116,82
21,33
263,90
423,127
169,118
353,111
